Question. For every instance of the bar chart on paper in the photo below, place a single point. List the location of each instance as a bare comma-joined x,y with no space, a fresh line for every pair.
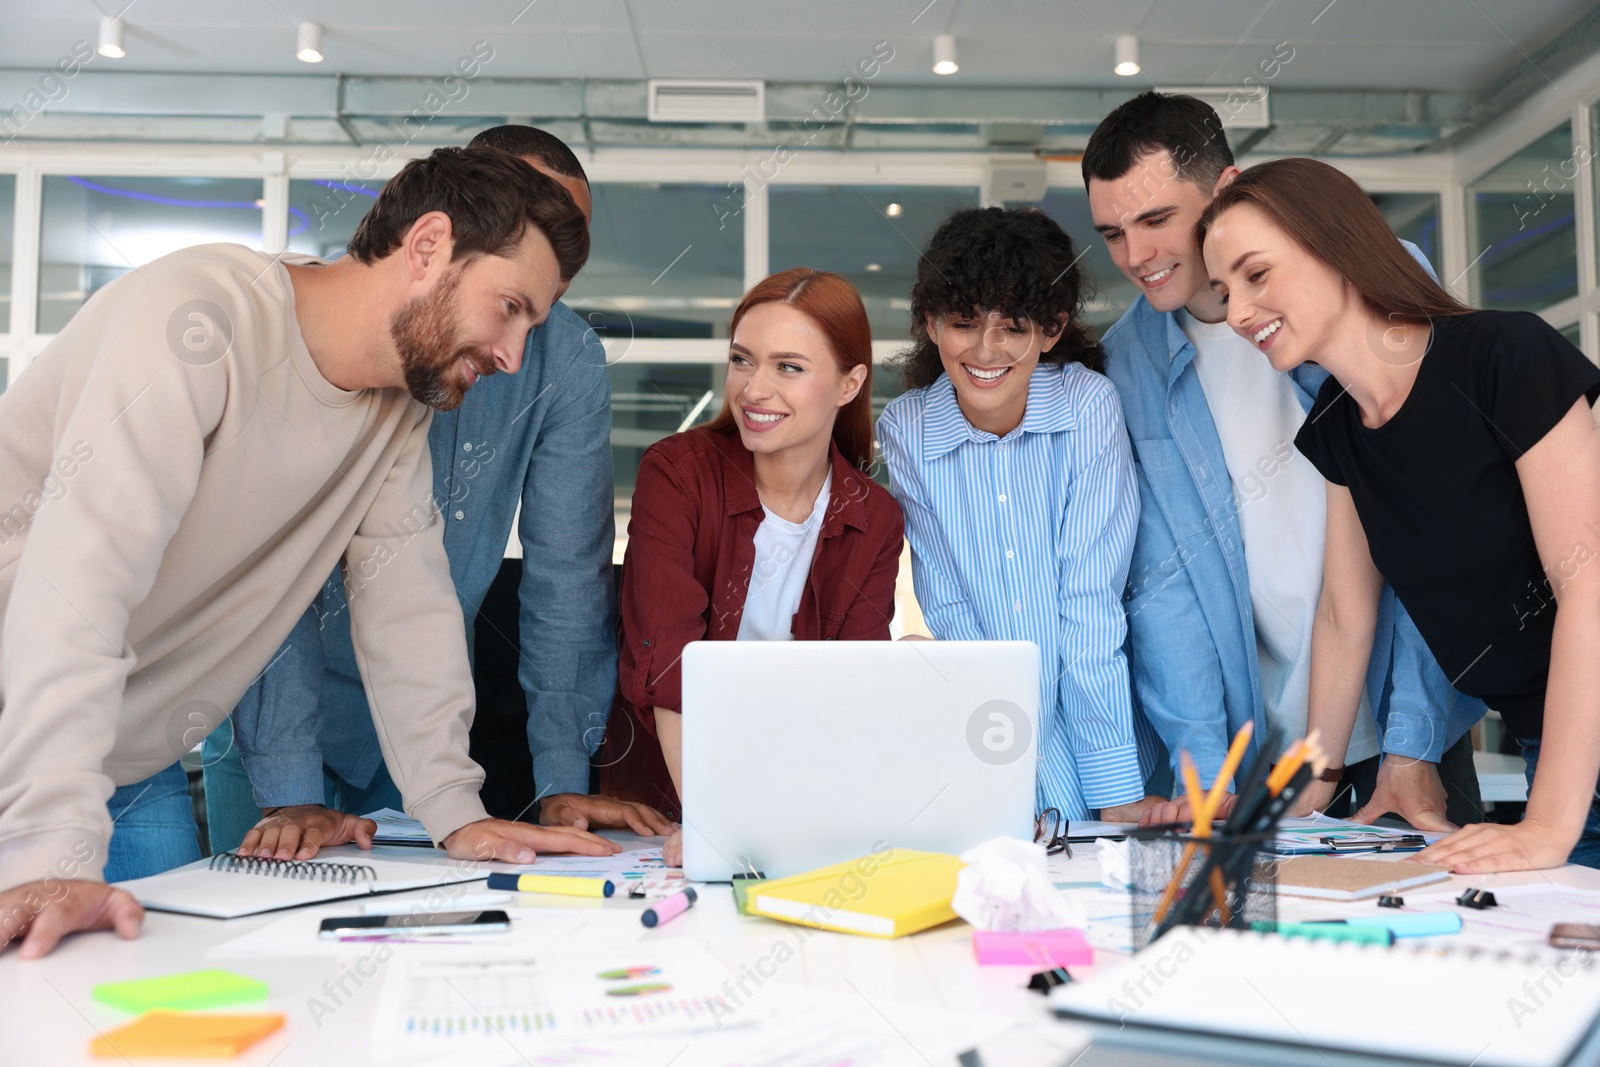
647,989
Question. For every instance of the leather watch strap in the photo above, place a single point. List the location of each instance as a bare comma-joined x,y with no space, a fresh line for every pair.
1332,774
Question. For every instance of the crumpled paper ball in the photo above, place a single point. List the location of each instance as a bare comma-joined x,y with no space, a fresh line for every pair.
1004,886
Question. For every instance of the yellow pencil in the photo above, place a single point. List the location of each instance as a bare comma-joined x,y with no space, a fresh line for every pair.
1241,741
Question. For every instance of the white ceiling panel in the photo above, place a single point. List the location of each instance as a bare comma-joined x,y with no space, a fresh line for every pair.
1447,45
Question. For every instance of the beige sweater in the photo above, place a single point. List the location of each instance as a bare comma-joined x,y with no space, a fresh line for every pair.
172,496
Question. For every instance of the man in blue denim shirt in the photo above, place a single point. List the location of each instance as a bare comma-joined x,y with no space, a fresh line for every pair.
1213,643
303,733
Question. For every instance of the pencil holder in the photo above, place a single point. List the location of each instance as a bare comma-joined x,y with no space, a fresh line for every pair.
1182,880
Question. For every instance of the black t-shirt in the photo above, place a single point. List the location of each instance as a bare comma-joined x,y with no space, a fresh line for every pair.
1438,494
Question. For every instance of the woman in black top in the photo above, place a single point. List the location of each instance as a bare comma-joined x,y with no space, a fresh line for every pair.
1463,466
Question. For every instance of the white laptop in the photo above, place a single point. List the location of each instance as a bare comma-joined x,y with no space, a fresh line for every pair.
800,754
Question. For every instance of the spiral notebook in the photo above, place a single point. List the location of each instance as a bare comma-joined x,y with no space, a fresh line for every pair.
227,886
1289,1000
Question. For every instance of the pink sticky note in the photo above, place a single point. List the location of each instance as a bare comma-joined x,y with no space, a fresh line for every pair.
1039,949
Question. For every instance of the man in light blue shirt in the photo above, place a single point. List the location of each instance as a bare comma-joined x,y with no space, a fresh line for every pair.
1009,460
1227,565
541,438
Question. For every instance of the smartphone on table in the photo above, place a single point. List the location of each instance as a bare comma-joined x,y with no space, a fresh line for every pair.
443,922
1575,935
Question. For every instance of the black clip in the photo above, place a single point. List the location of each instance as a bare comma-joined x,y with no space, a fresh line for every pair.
1045,981
1477,899
1389,900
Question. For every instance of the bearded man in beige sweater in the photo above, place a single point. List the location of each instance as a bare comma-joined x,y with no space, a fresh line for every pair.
186,462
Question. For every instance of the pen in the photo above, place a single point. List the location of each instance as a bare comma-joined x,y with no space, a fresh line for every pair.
670,908
553,883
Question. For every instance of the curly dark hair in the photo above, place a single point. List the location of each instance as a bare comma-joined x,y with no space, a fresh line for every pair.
1017,262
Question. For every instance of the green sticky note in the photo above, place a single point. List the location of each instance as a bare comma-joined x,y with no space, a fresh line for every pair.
181,992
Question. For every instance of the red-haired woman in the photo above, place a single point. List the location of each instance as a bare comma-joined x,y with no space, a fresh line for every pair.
761,525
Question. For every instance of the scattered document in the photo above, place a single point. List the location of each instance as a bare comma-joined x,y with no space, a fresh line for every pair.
397,828
1297,837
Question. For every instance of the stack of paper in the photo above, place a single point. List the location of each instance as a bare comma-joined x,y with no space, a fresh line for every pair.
1299,837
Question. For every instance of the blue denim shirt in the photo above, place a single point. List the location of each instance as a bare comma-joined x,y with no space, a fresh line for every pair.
1191,628
541,437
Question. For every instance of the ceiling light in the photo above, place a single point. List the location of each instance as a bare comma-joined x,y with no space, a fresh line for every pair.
1127,55
894,211
111,37
944,54
873,268
308,42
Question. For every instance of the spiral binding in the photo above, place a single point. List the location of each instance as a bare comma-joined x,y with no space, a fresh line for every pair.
347,873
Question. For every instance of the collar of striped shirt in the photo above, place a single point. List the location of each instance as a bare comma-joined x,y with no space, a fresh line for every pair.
944,426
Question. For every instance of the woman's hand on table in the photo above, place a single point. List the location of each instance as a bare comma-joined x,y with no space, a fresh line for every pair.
1486,847
40,914
603,813
1315,797
1133,811
672,851
1177,811
301,831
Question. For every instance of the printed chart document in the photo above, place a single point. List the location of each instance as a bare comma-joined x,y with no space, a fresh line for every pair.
556,994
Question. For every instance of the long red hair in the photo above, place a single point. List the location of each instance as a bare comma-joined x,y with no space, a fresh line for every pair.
835,306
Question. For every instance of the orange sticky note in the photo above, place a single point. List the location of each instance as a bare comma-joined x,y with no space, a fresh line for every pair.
186,1034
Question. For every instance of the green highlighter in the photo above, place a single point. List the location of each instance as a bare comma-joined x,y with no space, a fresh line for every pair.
1361,935
181,992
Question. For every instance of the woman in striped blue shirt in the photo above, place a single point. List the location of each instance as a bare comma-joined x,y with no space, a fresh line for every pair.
1011,462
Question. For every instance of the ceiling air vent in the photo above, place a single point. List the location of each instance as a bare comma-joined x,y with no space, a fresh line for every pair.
707,101
1242,107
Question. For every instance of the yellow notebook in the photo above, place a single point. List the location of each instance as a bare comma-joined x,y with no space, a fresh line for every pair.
883,894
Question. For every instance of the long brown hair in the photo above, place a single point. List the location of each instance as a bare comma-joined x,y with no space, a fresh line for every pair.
1325,212
835,306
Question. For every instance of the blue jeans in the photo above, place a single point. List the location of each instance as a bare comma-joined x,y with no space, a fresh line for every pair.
230,802
1586,853
152,826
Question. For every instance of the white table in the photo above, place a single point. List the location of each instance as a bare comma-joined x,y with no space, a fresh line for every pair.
48,1017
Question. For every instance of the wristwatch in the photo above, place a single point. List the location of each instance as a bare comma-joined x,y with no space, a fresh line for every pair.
1332,774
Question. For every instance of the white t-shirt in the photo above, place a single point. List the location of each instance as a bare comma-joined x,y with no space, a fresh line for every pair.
1282,506
783,563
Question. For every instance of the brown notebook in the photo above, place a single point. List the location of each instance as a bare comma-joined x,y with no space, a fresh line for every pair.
1345,878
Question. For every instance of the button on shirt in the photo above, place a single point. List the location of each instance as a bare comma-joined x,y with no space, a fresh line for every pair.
1028,537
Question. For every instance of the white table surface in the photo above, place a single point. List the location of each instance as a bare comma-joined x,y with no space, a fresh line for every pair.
48,1016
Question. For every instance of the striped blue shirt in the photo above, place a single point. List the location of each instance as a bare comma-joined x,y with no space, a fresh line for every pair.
1027,537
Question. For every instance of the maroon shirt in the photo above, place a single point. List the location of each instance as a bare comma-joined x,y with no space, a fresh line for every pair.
691,551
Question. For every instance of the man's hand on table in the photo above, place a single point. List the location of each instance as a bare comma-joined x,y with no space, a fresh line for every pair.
1411,789
301,831
40,914
600,812
672,851
520,842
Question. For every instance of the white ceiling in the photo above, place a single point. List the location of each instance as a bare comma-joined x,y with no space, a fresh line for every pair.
1447,45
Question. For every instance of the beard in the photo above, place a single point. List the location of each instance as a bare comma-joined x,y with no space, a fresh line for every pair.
426,333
